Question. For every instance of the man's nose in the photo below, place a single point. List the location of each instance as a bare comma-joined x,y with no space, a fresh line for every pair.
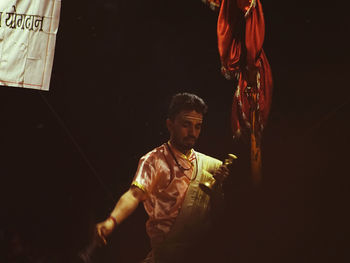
191,130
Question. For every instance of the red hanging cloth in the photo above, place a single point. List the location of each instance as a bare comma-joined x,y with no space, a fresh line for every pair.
241,32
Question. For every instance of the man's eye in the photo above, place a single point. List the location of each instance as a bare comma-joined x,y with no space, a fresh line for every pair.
198,127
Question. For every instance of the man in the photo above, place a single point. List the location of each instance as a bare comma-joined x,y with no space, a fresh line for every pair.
167,182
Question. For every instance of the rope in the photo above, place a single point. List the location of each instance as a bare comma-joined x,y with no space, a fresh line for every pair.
77,146
325,118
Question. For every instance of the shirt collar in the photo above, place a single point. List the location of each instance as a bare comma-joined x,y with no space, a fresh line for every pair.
190,157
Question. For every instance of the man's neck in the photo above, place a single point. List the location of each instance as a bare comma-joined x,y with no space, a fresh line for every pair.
183,151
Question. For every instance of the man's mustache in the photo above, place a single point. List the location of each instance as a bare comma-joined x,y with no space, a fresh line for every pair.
190,137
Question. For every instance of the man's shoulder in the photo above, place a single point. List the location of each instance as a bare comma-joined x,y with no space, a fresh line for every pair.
208,160
205,156
154,154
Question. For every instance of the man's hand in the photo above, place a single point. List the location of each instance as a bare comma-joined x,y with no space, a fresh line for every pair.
124,207
104,229
221,173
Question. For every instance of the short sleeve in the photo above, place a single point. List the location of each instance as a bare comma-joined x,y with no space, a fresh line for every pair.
145,175
210,164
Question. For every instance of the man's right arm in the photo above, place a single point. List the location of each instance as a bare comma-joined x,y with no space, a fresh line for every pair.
127,204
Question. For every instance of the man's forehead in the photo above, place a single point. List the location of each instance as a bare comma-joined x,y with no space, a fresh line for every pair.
191,116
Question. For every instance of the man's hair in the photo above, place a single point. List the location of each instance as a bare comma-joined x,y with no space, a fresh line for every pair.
188,102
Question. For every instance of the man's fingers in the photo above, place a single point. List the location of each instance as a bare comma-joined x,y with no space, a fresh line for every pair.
221,173
101,235
104,241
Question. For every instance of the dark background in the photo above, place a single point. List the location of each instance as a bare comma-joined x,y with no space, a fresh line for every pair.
68,154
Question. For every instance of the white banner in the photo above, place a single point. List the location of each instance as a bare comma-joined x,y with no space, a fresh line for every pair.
28,30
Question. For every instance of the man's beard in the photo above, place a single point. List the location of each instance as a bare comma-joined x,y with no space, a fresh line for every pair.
184,144
189,142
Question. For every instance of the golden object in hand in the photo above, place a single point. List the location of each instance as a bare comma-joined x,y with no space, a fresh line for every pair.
209,184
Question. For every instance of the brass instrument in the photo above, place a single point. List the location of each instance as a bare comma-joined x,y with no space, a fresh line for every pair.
210,183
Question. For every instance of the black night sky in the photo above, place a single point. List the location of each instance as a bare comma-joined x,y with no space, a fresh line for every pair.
67,153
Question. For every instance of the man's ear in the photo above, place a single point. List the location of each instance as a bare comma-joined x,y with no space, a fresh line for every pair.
169,124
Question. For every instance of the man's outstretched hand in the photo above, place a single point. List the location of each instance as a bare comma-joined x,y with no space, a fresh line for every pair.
101,232
104,229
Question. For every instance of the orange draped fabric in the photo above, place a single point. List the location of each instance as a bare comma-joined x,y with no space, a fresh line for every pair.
241,32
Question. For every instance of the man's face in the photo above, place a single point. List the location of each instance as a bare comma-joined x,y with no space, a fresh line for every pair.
185,129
